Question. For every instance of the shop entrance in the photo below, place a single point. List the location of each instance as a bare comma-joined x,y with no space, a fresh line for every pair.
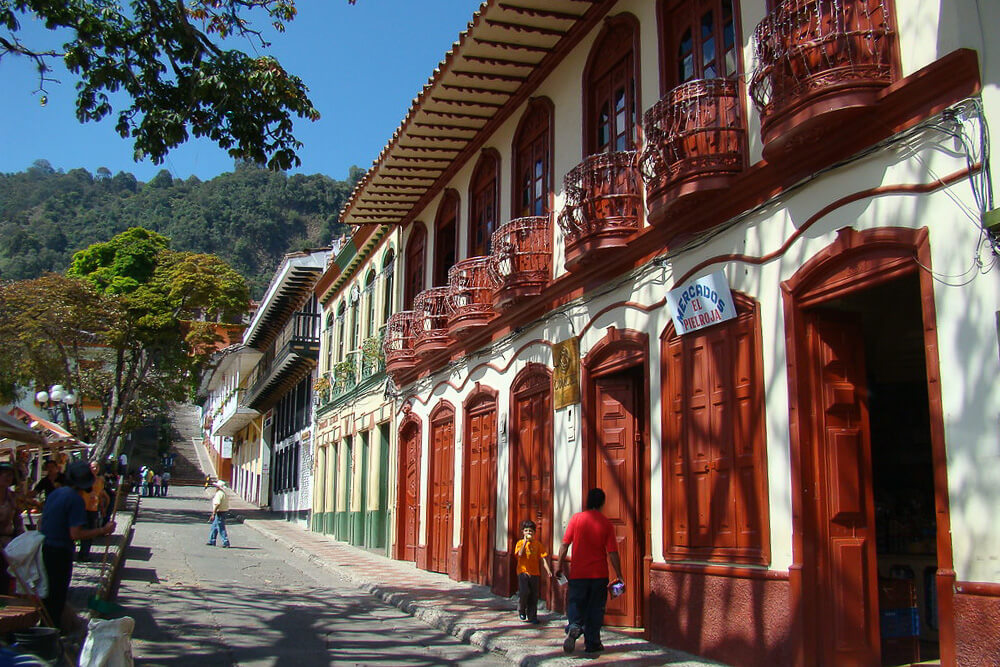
867,455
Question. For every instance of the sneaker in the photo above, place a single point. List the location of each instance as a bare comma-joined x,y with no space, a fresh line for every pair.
522,616
574,632
211,544
225,546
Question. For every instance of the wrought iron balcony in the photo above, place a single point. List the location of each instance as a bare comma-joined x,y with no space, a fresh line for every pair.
470,292
603,206
398,344
521,262
695,138
818,62
430,321
292,355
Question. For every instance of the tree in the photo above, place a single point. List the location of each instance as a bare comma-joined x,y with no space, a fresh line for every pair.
127,327
167,58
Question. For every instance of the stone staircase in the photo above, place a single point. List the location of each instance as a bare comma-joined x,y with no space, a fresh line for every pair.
186,432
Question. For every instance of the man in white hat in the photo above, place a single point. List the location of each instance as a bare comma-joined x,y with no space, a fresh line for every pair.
220,506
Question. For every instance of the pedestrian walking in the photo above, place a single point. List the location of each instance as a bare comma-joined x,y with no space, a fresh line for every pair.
220,508
530,554
122,464
157,482
165,482
65,520
593,540
96,503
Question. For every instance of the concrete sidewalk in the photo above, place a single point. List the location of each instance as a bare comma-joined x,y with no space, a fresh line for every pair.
469,612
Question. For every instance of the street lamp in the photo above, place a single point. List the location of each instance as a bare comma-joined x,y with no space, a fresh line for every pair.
55,399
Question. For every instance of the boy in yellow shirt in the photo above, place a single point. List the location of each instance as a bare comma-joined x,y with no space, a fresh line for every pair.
530,552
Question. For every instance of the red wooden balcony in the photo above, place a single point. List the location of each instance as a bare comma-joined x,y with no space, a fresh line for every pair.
430,321
695,138
521,262
398,344
470,291
818,63
603,206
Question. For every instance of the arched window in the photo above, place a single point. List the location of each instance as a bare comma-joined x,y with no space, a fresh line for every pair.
610,81
532,160
445,237
414,272
483,202
699,41
329,342
341,333
388,270
370,326
355,297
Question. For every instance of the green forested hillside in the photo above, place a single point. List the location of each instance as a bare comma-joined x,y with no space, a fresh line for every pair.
249,217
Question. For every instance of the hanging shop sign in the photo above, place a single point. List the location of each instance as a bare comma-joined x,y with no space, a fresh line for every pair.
701,303
566,372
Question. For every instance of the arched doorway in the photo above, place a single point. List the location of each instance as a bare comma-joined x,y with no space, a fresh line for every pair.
868,452
615,455
408,490
480,485
531,461
441,489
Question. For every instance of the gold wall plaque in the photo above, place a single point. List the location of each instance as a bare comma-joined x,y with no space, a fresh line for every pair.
566,372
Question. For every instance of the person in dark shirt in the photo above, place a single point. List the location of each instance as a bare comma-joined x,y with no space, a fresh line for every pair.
64,520
53,480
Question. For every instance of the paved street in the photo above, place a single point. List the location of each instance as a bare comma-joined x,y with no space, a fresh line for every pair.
257,603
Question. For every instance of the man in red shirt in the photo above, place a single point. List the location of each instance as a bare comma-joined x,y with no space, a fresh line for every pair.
593,540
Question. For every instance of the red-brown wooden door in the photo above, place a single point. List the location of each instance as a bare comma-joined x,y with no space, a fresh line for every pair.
843,608
481,485
531,452
442,492
409,491
615,468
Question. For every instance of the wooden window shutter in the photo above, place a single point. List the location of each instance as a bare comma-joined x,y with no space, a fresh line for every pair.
715,487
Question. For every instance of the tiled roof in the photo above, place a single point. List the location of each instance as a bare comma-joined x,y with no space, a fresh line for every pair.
506,50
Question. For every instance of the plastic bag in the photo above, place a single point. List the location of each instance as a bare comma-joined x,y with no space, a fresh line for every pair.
109,643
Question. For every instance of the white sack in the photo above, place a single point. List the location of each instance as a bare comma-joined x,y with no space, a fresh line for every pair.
109,643
24,553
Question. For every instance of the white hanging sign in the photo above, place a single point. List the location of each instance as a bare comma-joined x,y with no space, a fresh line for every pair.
700,303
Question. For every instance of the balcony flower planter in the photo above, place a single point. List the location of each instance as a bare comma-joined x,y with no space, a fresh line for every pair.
430,321
521,262
398,344
695,139
470,291
818,63
603,206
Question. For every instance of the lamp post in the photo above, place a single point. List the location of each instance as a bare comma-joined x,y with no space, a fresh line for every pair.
57,399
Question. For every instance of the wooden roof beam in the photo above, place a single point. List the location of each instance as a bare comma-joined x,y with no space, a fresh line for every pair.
512,45
522,27
466,103
540,13
476,90
489,76
499,62
456,115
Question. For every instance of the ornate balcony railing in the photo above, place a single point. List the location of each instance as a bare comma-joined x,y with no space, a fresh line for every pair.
430,321
398,344
603,206
521,262
470,294
695,138
837,52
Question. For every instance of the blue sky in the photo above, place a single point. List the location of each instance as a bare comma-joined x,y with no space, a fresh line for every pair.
363,65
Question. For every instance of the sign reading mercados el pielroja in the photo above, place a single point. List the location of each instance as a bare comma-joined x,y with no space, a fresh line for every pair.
700,303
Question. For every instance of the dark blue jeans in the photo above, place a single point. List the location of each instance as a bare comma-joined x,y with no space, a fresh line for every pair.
585,605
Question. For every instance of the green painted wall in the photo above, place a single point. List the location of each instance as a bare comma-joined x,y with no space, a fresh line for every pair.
375,529
343,526
328,522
